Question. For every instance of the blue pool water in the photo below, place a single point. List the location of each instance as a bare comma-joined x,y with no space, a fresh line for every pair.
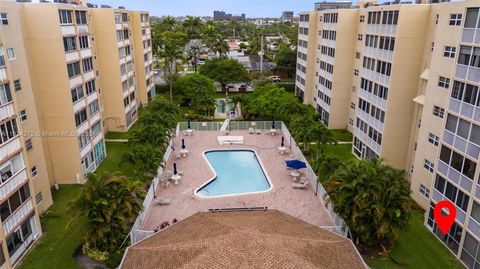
238,172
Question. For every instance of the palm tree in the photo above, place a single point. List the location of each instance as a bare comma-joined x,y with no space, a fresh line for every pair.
172,55
221,47
210,36
325,166
193,27
373,199
145,159
169,24
111,203
193,51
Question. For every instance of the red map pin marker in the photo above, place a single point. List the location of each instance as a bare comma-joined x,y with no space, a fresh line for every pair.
445,222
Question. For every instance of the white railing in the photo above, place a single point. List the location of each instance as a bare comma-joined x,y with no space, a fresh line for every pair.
82,29
17,216
11,147
17,180
68,30
3,73
7,111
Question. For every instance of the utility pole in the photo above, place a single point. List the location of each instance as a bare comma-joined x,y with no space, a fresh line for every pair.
261,54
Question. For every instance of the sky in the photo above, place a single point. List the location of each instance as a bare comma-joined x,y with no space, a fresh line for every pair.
252,8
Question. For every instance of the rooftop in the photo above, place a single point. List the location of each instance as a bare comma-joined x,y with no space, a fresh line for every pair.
256,239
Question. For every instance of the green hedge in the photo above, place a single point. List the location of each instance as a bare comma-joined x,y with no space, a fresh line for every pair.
161,88
289,87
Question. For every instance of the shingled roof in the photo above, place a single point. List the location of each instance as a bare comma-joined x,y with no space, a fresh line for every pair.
256,239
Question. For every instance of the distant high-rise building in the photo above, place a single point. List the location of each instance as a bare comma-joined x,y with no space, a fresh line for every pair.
319,6
222,16
287,15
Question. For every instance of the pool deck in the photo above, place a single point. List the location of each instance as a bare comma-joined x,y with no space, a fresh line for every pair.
299,203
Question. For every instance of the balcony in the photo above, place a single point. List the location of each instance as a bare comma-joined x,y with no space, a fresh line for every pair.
75,81
3,73
461,144
465,109
85,150
329,26
373,99
468,73
80,104
82,29
368,141
6,111
82,127
370,120
454,176
68,30
92,97
10,148
437,197
376,77
379,53
97,138
382,29
89,75
17,217
13,183
85,53
71,56
471,36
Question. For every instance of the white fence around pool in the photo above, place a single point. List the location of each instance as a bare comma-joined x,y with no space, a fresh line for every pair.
340,227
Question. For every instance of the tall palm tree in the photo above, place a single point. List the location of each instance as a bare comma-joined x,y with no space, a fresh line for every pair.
111,203
325,166
193,50
193,27
221,47
373,199
169,23
172,55
145,159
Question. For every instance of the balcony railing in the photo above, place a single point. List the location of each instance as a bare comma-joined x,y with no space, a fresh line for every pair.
461,144
68,30
6,111
379,53
376,77
17,217
382,29
13,183
461,215
453,175
368,141
3,73
10,148
467,110
471,36
468,73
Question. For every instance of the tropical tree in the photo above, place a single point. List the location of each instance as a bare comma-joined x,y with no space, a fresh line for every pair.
111,203
307,129
198,92
193,26
172,54
220,47
225,71
193,50
166,24
373,199
159,112
145,159
326,165
286,60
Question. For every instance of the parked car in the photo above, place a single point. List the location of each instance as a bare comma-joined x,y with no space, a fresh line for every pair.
275,78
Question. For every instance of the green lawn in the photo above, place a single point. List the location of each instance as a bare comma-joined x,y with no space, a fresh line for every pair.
58,243
115,151
342,135
342,151
120,135
417,248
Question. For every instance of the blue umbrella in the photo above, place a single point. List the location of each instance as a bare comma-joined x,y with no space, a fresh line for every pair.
183,143
188,124
174,168
296,164
273,124
283,138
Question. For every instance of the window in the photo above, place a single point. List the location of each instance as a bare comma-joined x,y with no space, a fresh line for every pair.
90,86
119,35
28,144
73,69
469,56
436,19
3,19
125,34
357,55
444,82
452,193
374,17
458,162
87,64
22,115
471,20
81,17
5,95
424,190
69,43
126,101
455,19
384,68
449,52
360,37
11,53
428,165
387,43
390,17
38,198
8,131
84,43
362,18
80,117
433,139
34,171
65,16
96,128
466,93
17,85
77,94
15,201
355,72
93,108
433,46
83,139
438,111
464,129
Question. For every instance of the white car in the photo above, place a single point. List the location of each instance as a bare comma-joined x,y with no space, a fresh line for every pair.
275,78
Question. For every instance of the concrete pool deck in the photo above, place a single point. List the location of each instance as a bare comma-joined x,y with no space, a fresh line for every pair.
303,204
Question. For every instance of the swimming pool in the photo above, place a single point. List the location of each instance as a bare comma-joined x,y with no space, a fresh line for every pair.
237,172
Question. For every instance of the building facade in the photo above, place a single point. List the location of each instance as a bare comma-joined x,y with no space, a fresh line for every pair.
404,79
58,93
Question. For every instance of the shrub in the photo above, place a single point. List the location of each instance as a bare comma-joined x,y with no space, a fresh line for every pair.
95,254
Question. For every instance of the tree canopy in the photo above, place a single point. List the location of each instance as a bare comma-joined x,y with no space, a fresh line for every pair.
197,91
224,71
286,60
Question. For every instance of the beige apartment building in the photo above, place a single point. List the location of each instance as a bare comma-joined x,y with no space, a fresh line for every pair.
62,76
404,79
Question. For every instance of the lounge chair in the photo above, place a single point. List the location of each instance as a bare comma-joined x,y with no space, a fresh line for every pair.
251,130
164,181
303,185
258,131
162,201
178,155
